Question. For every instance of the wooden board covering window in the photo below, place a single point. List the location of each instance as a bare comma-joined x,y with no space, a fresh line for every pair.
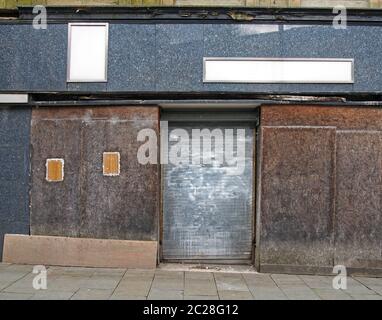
111,166
54,170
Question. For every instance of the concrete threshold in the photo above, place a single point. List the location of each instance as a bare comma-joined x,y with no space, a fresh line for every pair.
201,267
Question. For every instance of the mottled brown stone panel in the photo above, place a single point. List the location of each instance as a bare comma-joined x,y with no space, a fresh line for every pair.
55,206
297,196
106,113
344,118
359,199
87,203
125,206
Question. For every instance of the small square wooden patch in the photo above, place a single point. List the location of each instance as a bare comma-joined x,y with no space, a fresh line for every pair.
54,170
111,163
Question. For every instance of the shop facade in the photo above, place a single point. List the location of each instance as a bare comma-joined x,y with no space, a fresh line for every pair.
75,191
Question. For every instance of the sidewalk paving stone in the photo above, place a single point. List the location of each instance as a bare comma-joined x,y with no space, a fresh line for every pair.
158,294
332,294
15,296
235,295
52,295
230,281
63,283
92,294
201,297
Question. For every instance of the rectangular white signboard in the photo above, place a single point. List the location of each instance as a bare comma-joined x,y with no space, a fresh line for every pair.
278,70
87,52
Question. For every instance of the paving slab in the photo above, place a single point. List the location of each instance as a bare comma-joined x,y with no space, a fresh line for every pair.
186,297
318,282
122,297
107,283
71,271
92,294
23,285
67,283
355,287
4,265
235,295
166,280
366,297
230,281
196,287
262,287
193,275
158,294
267,293
4,284
169,274
133,288
52,295
22,268
11,276
258,279
101,282
15,296
331,294
139,272
374,284
109,272
287,280
295,292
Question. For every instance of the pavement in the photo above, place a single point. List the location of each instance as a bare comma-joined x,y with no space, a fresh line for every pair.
166,283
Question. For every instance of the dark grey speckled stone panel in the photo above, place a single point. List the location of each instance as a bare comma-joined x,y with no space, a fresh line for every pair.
168,57
14,171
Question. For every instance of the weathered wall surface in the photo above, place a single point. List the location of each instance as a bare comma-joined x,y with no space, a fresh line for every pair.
14,171
233,3
168,57
321,187
88,204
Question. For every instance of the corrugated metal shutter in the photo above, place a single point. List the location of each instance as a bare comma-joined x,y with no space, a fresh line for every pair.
207,213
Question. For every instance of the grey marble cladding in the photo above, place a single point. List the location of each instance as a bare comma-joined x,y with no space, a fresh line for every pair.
14,173
167,57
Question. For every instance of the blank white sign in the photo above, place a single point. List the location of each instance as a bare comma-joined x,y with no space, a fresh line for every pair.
87,56
256,70
13,98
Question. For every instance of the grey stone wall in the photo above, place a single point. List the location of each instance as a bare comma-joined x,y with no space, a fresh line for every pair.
169,57
14,171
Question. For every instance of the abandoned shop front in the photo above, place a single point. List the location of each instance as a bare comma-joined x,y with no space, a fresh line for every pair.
128,139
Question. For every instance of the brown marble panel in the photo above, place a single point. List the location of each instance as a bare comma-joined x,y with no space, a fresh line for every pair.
340,117
359,199
124,206
55,206
87,203
297,185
